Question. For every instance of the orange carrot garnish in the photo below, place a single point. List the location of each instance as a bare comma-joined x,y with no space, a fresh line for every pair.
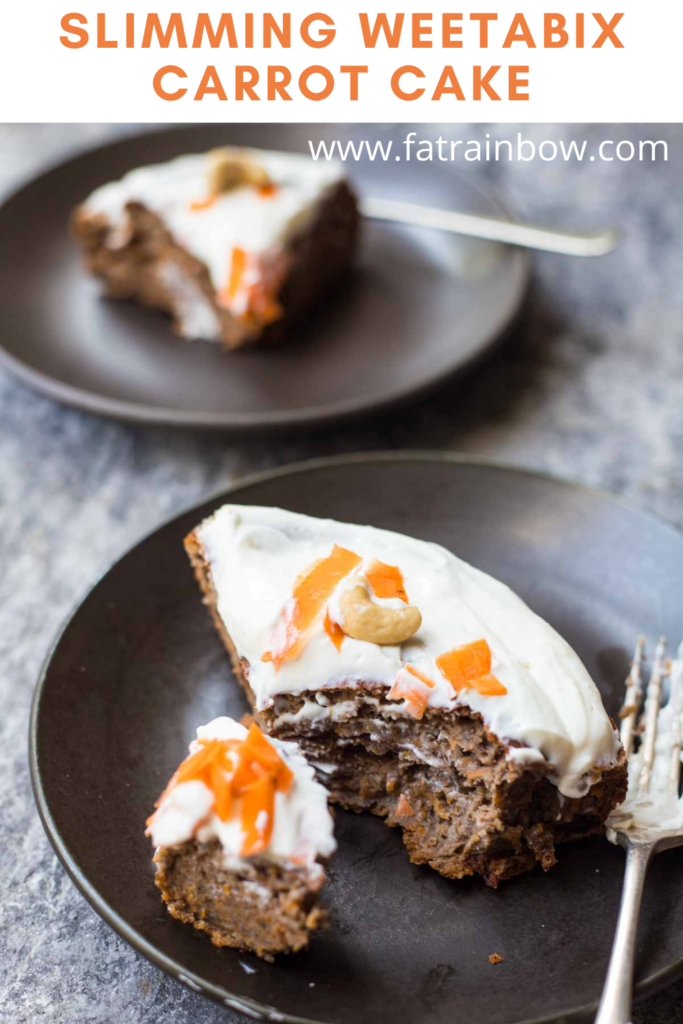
334,631
222,791
386,580
257,747
238,265
258,807
470,666
461,665
267,190
245,773
203,204
419,675
489,686
312,591
251,770
199,764
416,695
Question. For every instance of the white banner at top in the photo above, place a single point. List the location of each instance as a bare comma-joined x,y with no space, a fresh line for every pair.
145,60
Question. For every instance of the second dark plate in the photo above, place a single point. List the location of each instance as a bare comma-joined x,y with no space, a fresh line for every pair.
420,307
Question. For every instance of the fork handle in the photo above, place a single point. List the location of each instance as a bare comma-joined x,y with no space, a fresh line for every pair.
615,1004
568,243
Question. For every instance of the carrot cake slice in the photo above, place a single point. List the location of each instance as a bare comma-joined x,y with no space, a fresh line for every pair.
235,244
242,832
423,689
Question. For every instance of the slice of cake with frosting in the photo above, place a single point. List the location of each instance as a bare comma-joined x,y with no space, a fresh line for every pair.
423,689
235,244
242,832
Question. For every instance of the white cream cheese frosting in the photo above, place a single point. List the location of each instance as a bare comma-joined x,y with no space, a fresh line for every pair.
302,828
552,707
243,218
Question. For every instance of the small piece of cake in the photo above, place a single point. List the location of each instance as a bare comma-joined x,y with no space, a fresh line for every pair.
241,834
424,690
235,244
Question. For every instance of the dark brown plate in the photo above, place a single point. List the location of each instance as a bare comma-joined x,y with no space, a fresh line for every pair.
420,307
139,666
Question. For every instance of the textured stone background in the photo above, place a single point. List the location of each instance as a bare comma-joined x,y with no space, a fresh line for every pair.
591,388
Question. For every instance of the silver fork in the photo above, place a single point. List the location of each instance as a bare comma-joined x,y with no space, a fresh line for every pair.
651,817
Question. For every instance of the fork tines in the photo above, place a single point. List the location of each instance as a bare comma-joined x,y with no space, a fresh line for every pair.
634,695
676,702
660,729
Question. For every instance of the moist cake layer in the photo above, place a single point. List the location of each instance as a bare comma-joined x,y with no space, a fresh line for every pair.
267,910
464,805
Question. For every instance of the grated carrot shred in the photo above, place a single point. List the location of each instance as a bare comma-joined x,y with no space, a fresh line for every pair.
194,766
238,265
245,773
203,204
386,580
222,791
489,686
470,666
250,770
334,631
420,675
258,804
312,591
416,695
265,755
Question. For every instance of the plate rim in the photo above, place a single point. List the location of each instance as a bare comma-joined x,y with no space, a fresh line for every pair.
140,412
252,1008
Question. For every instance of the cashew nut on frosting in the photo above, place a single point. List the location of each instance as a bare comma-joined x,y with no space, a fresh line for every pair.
229,168
375,623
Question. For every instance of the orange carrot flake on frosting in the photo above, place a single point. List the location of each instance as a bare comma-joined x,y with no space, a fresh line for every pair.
334,631
489,686
238,265
386,580
262,751
470,666
212,764
203,204
250,770
199,764
416,695
419,675
219,784
312,590
258,809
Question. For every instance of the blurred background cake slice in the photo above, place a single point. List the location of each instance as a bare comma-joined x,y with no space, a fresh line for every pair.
423,689
237,245
242,832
